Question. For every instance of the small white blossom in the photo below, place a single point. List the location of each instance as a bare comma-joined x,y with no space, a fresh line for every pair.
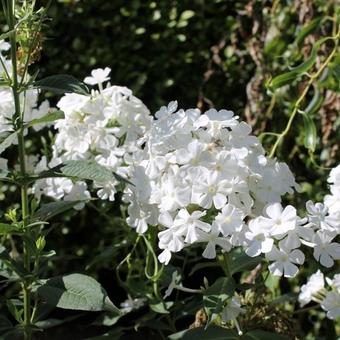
314,284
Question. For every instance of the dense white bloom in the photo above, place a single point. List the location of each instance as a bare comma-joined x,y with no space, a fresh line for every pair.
314,284
105,127
203,173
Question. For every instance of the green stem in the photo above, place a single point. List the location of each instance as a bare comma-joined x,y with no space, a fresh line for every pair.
24,189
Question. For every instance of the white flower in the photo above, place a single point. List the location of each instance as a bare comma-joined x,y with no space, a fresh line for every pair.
212,190
229,220
213,238
131,304
325,251
285,260
107,190
170,238
334,176
331,304
335,283
78,193
175,280
98,76
4,46
189,224
314,284
165,256
258,238
318,216
333,201
280,221
232,310
214,121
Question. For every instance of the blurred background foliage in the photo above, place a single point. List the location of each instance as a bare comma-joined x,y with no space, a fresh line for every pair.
214,53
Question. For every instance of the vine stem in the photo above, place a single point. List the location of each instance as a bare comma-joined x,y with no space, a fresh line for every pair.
21,148
297,104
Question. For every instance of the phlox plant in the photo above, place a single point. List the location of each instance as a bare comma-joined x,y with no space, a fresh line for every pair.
193,186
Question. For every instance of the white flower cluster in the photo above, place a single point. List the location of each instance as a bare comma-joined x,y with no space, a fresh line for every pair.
329,299
104,127
280,232
199,176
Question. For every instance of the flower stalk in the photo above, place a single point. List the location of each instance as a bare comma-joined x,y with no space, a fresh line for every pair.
19,122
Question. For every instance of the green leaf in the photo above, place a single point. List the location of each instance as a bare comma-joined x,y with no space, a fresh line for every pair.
87,170
90,170
49,210
6,262
203,265
294,73
50,323
76,292
13,309
216,295
6,35
240,261
8,141
106,319
315,103
307,29
161,307
62,83
309,132
50,117
8,228
211,333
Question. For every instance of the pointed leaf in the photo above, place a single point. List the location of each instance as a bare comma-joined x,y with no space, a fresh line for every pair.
76,292
8,228
8,141
289,77
307,29
310,132
50,210
62,83
315,103
87,170
50,117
